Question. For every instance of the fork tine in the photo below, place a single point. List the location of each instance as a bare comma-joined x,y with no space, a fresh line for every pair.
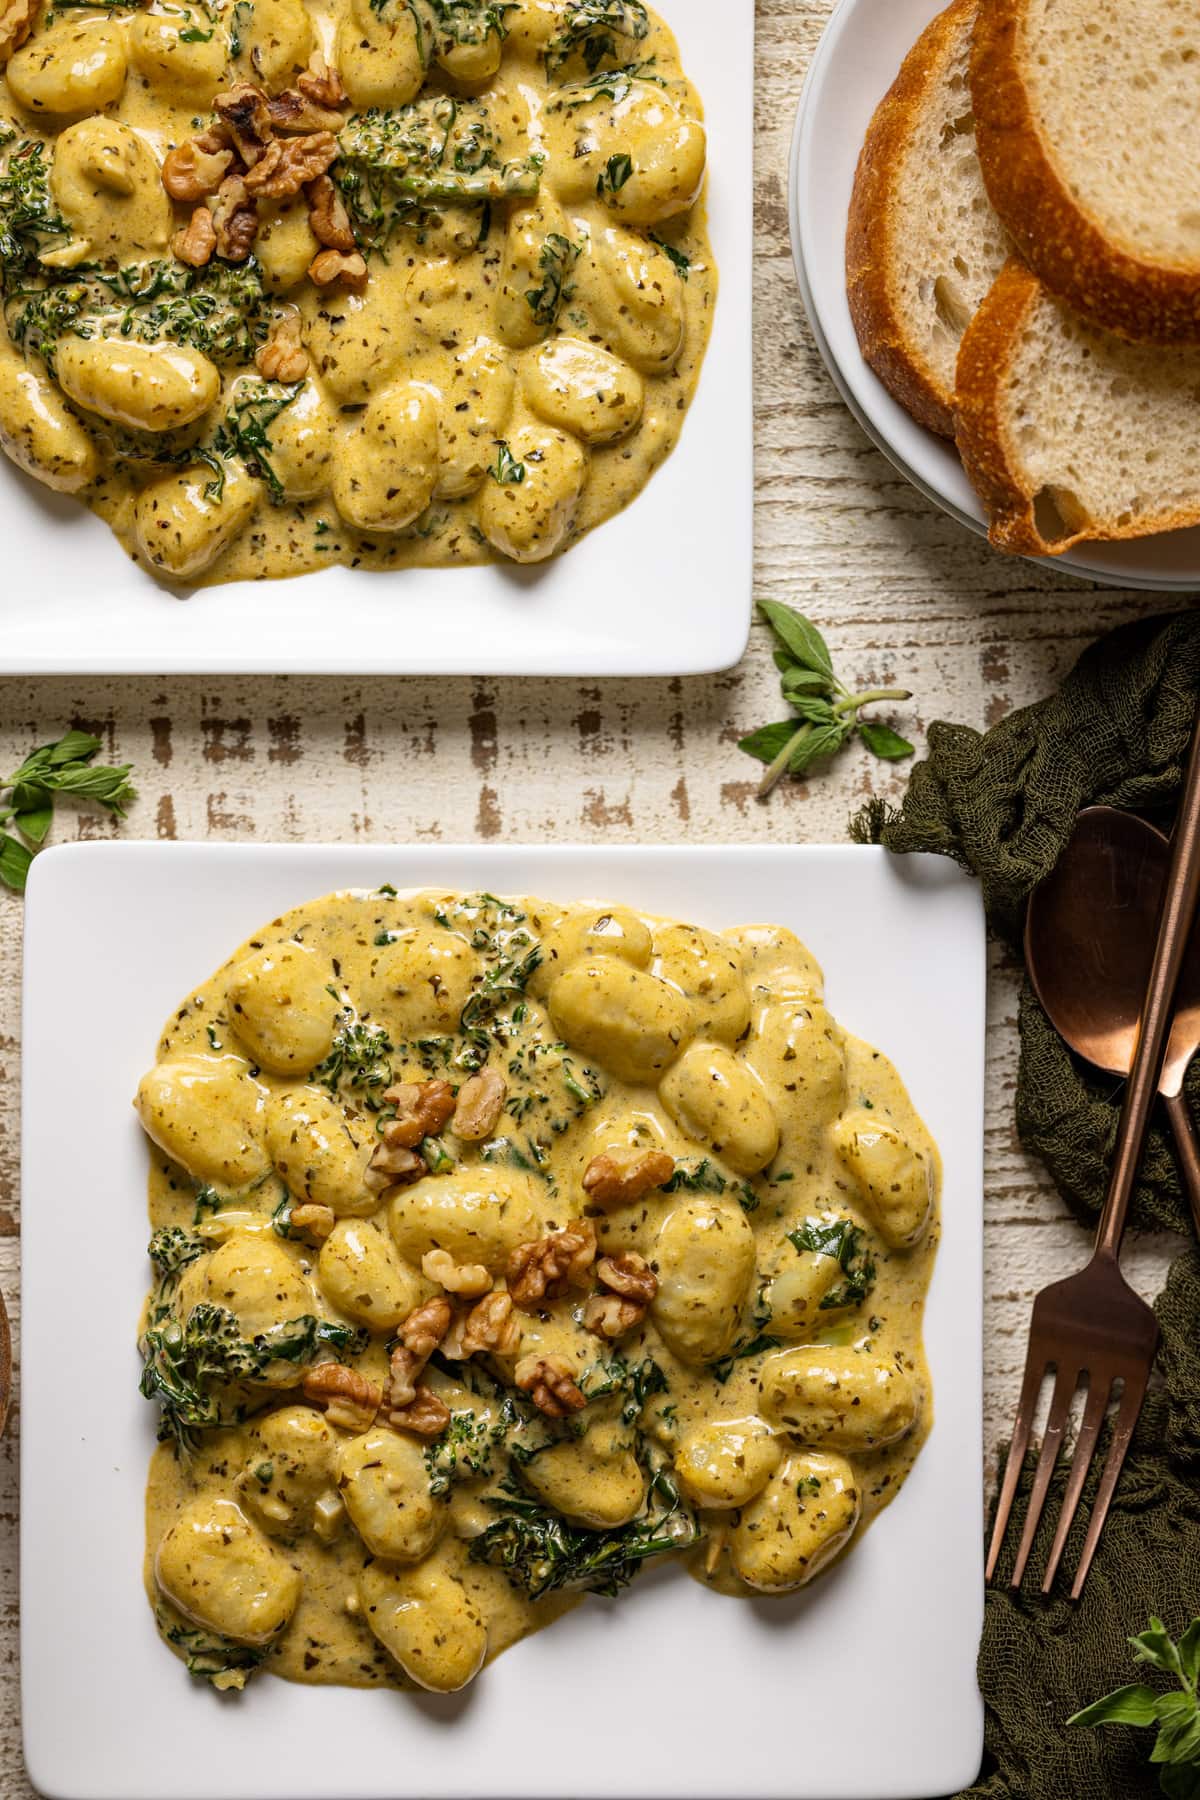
1031,1387
1131,1406
1066,1382
1081,1462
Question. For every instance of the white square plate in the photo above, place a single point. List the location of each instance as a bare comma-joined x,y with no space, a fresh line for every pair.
862,1689
856,62
663,589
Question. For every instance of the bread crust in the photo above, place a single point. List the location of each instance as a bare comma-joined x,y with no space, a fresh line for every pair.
1136,297
874,222
984,441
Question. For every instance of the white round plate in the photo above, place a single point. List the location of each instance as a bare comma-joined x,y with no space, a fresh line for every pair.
855,63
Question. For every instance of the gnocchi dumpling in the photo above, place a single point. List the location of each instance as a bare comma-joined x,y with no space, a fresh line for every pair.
640,154
712,1095
207,1113
180,52
632,290
147,387
574,936
357,341
422,982
220,1572
379,54
303,438
256,1278
281,1008
182,523
384,1483
106,183
386,472
596,1481
316,1154
631,1021
896,1178
289,1471
528,505
726,1463
708,969
705,1262
478,1215
74,67
804,1517
474,416
284,248
361,1274
426,1620
580,387
839,1399
39,433
539,257
275,43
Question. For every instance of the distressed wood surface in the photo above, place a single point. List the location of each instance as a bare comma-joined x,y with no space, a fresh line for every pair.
906,597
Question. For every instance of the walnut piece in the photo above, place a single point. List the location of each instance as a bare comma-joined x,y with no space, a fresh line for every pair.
422,1108
426,1415
624,1177
331,266
349,1399
190,172
322,84
286,165
610,1317
196,242
283,356
470,1280
293,111
242,110
545,1269
16,22
392,1167
315,1222
329,219
235,219
419,1336
480,1103
629,1275
490,1326
550,1384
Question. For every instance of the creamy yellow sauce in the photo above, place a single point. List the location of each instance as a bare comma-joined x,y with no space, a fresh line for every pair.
509,377
751,1419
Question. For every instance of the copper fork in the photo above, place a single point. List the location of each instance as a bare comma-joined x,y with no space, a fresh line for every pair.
1092,1328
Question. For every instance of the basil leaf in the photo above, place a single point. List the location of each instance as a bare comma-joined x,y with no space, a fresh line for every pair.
1189,1651
799,636
882,741
14,863
76,746
1155,1647
802,681
34,824
821,742
1133,1705
1179,1742
817,712
767,742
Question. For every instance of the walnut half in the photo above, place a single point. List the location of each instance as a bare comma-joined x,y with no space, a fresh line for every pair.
480,1103
283,356
545,1269
349,1399
550,1384
419,1337
623,1178
426,1414
469,1280
196,242
16,23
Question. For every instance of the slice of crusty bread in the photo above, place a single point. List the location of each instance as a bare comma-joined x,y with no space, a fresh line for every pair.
1068,431
923,244
1086,114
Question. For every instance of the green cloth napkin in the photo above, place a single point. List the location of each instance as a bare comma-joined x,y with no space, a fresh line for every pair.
1003,804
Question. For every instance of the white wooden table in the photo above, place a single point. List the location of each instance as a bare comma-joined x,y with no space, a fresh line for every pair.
904,595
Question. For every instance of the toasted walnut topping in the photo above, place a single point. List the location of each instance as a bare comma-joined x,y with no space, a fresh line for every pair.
322,84
622,1178
243,111
550,1384
16,22
419,1336
334,265
546,1269
293,111
283,356
480,1103
491,1327
214,138
392,1167
313,1221
235,219
629,1275
426,1415
195,244
328,216
190,172
422,1108
349,1399
285,166
611,1317
468,1279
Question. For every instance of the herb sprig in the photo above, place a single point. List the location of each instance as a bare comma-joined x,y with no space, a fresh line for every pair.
1176,1713
66,767
829,715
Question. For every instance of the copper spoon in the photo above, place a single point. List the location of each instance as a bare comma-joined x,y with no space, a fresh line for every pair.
1089,944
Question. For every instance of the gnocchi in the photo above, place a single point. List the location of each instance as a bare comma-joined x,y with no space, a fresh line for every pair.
524,1242
380,283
